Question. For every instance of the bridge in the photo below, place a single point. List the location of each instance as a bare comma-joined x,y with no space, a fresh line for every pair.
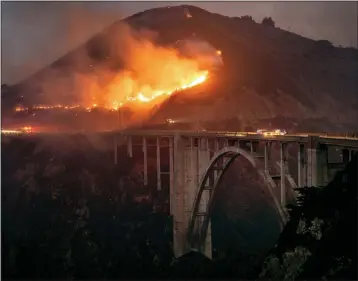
198,160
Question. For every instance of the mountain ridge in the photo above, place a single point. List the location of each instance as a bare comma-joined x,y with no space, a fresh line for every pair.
267,71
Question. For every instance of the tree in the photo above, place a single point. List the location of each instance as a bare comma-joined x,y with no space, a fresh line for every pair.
248,19
268,21
320,239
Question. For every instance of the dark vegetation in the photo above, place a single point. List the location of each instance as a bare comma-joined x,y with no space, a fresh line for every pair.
74,214
320,240
70,213
268,21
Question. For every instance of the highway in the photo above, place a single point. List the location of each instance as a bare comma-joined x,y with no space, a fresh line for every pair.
351,142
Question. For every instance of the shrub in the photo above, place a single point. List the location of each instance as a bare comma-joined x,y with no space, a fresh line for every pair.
268,21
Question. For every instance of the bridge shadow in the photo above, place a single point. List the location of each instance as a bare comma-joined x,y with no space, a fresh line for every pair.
245,223
245,227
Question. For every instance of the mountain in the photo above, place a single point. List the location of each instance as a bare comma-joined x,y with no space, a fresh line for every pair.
270,76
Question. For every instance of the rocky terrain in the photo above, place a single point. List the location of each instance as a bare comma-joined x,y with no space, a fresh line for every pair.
270,76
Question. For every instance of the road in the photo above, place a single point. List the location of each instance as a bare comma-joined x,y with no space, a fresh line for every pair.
351,142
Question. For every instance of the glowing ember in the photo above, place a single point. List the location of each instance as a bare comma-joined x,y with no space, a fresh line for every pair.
22,130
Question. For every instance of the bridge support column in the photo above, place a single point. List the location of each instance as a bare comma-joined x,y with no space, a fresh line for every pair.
203,161
145,162
267,155
115,143
159,173
302,167
190,163
317,164
177,194
283,172
346,156
129,146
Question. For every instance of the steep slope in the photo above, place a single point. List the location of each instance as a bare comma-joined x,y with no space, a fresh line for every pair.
268,72
320,240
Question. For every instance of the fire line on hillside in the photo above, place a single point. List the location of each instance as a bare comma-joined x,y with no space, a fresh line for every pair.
149,76
140,97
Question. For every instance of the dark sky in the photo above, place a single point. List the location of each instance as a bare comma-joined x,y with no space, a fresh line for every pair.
37,33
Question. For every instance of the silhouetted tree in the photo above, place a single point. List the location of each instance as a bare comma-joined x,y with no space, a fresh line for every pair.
325,43
320,239
248,19
268,21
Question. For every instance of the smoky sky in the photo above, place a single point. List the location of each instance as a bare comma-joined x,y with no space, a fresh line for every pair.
34,34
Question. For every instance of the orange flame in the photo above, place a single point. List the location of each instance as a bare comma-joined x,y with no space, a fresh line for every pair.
151,74
197,78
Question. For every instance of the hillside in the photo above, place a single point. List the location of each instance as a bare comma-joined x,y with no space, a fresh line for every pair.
320,240
268,73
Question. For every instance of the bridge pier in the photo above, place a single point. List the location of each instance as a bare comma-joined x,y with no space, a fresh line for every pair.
302,166
283,172
145,161
195,169
178,194
317,164
203,161
191,157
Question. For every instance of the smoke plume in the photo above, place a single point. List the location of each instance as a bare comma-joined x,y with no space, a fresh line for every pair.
121,66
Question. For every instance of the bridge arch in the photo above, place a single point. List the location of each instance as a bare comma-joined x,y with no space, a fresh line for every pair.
196,239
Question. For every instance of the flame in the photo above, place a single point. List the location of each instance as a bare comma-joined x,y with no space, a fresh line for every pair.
141,97
150,74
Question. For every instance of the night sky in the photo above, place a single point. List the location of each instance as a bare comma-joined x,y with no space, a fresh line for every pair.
37,33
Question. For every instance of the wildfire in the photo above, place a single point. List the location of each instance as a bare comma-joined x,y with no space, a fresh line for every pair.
150,73
145,96
22,130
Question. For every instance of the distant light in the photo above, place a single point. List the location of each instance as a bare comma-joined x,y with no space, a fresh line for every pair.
170,121
218,52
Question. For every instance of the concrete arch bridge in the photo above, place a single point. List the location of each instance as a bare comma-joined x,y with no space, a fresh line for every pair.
198,161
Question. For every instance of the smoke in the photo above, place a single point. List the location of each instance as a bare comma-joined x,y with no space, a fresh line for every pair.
203,51
26,26
118,65
123,63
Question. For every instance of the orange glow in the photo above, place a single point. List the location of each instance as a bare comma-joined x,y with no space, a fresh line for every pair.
146,96
150,74
25,129
218,52
10,132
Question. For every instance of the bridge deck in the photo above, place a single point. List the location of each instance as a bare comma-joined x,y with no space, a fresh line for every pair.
301,138
348,142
